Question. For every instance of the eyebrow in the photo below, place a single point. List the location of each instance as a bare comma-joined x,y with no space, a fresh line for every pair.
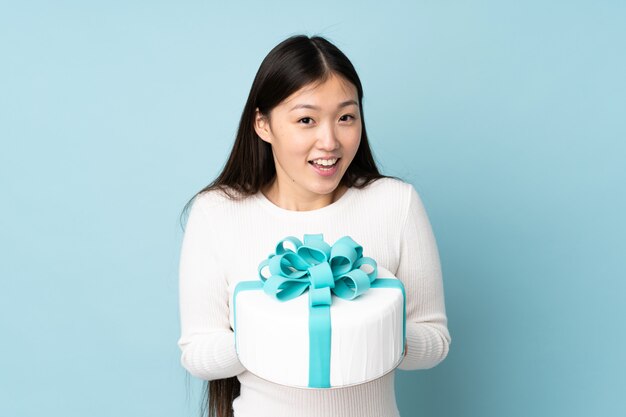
310,106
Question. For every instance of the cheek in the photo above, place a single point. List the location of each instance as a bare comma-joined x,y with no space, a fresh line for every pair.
291,145
354,140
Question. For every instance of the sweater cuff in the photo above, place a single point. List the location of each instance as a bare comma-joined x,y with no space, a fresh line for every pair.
427,346
211,356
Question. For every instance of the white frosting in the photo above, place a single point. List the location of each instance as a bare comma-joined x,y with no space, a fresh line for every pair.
272,337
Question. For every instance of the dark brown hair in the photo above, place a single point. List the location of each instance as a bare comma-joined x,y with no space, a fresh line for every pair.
294,63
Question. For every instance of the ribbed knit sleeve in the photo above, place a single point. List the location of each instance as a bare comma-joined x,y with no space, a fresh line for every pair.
207,341
419,268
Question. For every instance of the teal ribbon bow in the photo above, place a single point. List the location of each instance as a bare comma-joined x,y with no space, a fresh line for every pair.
323,270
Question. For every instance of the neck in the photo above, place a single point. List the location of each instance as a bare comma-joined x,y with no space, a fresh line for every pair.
296,200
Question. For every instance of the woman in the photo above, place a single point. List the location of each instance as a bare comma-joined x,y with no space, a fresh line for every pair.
301,163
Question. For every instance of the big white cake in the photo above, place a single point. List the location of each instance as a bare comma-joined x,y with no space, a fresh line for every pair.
367,333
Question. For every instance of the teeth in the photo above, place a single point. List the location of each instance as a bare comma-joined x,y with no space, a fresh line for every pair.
325,162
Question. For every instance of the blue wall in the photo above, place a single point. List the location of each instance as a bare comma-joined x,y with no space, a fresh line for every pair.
509,119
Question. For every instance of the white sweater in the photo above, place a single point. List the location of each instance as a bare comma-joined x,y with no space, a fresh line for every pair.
224,242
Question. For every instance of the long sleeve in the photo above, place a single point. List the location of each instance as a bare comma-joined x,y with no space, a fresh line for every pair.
419,269
207,341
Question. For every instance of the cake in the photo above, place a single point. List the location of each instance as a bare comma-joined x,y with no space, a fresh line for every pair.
299,344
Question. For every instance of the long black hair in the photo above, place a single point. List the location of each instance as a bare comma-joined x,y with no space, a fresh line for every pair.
296,62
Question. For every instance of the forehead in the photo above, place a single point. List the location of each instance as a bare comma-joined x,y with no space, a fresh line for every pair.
334,88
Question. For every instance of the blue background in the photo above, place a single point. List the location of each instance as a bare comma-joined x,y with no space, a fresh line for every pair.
509,119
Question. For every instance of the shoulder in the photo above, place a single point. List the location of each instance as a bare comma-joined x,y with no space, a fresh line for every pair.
218,199
389,183
397,197
391,190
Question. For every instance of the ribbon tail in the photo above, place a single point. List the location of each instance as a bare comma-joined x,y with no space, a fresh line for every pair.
319,346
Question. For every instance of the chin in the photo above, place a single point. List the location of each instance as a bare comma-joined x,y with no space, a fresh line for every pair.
325,190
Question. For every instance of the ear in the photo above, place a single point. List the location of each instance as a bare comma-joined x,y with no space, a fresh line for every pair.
262,126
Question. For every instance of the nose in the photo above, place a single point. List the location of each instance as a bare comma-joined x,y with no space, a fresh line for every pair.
327,139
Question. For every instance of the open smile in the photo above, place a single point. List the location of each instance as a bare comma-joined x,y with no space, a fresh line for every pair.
325,167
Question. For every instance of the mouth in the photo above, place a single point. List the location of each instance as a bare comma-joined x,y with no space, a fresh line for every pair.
325,164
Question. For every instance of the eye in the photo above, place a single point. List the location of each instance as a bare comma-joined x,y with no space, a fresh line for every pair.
347,115
305,118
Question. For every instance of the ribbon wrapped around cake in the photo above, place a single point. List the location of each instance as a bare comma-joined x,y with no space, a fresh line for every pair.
350,329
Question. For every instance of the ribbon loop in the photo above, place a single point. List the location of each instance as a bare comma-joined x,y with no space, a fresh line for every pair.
319,297
315,264
372,265
314,250
322,276
280,247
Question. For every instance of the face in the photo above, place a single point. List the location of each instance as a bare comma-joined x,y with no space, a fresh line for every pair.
314,134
